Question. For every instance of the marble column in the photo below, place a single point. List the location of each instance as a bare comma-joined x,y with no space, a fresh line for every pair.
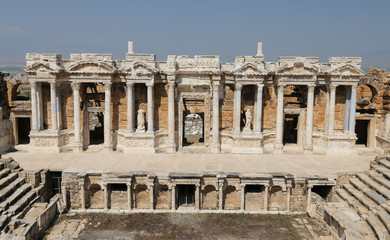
64,197
197,196
215,146
242,197
278,146
237,108
76,116
332,105
259,107
58,103
171,146
220,196
40,106
326,117
151,193
309,120
82,195
266,189
53,106
309,187
130,107
107,116
150,107
34,109
288,197
129,198
352,115
347,109
105,189
173,197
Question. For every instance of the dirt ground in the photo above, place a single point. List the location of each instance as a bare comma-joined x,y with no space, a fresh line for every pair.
162,226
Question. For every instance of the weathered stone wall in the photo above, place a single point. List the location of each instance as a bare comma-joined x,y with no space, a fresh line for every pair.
227,108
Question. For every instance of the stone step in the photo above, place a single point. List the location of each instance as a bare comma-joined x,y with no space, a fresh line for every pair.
384,217
379,178
373,195
5,192
4,219
4,172
18,194
385,163
7,180
377,226
22,203
384,171
374,185
360,196
2,165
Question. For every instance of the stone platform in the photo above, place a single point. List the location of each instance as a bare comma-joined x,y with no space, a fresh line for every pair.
299,165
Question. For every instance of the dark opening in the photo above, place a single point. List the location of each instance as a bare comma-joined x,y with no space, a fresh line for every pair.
361,131
23,130
118,187
54,182
193,129
96,128
290,132
186,195
253,189
323,191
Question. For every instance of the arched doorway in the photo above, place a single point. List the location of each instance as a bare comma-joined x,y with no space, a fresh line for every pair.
193,130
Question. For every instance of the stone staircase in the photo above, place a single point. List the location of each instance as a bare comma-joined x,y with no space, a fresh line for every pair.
368,194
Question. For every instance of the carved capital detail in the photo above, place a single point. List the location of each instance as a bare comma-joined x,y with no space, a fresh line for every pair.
75,86
129,84
333,87
238,86
260,86
107,86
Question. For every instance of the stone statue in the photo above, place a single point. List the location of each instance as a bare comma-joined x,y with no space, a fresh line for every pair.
248,120
141,120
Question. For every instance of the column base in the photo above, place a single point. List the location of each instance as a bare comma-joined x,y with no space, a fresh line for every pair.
278,148
107,149
78,147
215,148
308,149
171,148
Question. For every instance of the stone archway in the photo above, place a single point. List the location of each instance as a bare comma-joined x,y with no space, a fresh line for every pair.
231,198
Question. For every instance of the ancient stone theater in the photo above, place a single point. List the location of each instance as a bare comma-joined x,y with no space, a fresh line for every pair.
92,133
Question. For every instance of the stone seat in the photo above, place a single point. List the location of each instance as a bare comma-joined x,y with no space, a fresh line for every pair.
4,219
344,195
4,173
5,192
7,180
377,226
374,185
385,163
22,203
18,194
379,178
2,165
384,217
361,197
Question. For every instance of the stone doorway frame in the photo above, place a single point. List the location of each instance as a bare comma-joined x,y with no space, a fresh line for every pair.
207,117
370,128
301,125
86,133
15,128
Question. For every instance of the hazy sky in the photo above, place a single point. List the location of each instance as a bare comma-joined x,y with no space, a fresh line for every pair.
226,28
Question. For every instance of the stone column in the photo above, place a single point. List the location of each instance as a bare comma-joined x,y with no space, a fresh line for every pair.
173,197
237,108
278,146
129,198
64,197
259,107
130,107
82,195
171,147
76,116
326,117
197,196
105,189
53,106
220,195
353,110
288,197
215,146
107,116
40,106
151,193
309,120
309,187
347,110
266,188
58,103
242,197
332,105
34,109
150,107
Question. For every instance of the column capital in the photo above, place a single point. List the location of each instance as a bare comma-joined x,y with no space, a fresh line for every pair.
75,85
354,87
128,184
311,87
107,86
53,84
243,185
130,84
238,86
149,85
171,78
215,87
260,86
171,84
33,84
104,185
333,87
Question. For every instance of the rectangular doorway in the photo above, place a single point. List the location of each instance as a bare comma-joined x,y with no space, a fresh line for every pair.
186,195
23,130
96,128
361,130
290,131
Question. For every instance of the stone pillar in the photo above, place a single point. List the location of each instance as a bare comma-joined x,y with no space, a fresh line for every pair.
242,197
347,110
76,116
150,107
82,195
215,146
220,196
53,106
309,187
259,107
34,109
130,107
173,197
171,147
332,105
326,117
151,193
197,196
129,198
266,188
105,189
353,110
107,116
278,146
309,120
237,108
64,197
40,106
288,197
58,103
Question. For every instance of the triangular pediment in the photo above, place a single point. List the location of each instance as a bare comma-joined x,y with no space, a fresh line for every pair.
91,67
249,69
39,67
347,70
143,69
298,68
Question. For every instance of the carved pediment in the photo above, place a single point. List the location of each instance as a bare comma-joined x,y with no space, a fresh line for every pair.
40,67
92,67
251,69
143,69
347,70
298,68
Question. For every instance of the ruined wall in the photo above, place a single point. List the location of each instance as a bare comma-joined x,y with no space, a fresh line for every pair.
269,109
227,108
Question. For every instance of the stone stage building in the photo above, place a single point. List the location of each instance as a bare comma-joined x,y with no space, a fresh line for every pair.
250,106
